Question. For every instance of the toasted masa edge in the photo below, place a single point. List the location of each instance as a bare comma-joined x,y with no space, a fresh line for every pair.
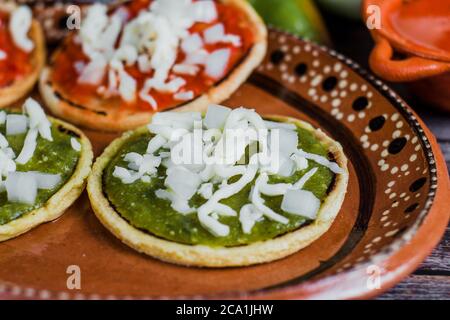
55,206
121,120
19,88
204,256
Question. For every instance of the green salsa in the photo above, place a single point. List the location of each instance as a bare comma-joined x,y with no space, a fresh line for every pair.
138,204
54,157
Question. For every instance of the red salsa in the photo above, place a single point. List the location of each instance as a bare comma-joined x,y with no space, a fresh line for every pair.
17,62
65,75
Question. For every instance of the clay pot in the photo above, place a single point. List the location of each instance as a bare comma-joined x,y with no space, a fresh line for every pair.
425,66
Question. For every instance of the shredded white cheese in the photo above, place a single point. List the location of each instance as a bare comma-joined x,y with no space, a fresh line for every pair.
179,204
192,43
139,167
186,69
184,96
38,119
125,175
258,202
7,163
93,72
333,166
3,142
2,117
206,190
217,62
76,145
29,146
22,187
216,34
127,87
304,179
279,125
16,124
155,144
151,40
45,181
19,27
300,162
248,216
301,202
182,182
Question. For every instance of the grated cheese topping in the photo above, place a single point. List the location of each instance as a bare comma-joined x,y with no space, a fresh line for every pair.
151,41
22,187
200,155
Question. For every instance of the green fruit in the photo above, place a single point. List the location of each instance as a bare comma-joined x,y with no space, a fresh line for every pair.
345,8
299,17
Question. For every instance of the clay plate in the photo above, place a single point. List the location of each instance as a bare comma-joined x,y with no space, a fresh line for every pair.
395,211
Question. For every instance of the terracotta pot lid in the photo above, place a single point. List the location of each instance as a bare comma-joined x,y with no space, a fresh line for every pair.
418,27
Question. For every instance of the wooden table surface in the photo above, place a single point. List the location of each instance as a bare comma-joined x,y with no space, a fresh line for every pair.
432,279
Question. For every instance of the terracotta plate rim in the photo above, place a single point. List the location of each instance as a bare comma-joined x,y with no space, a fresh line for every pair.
416,243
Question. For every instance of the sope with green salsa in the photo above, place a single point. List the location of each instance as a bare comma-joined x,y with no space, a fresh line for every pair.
188,205
37,157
